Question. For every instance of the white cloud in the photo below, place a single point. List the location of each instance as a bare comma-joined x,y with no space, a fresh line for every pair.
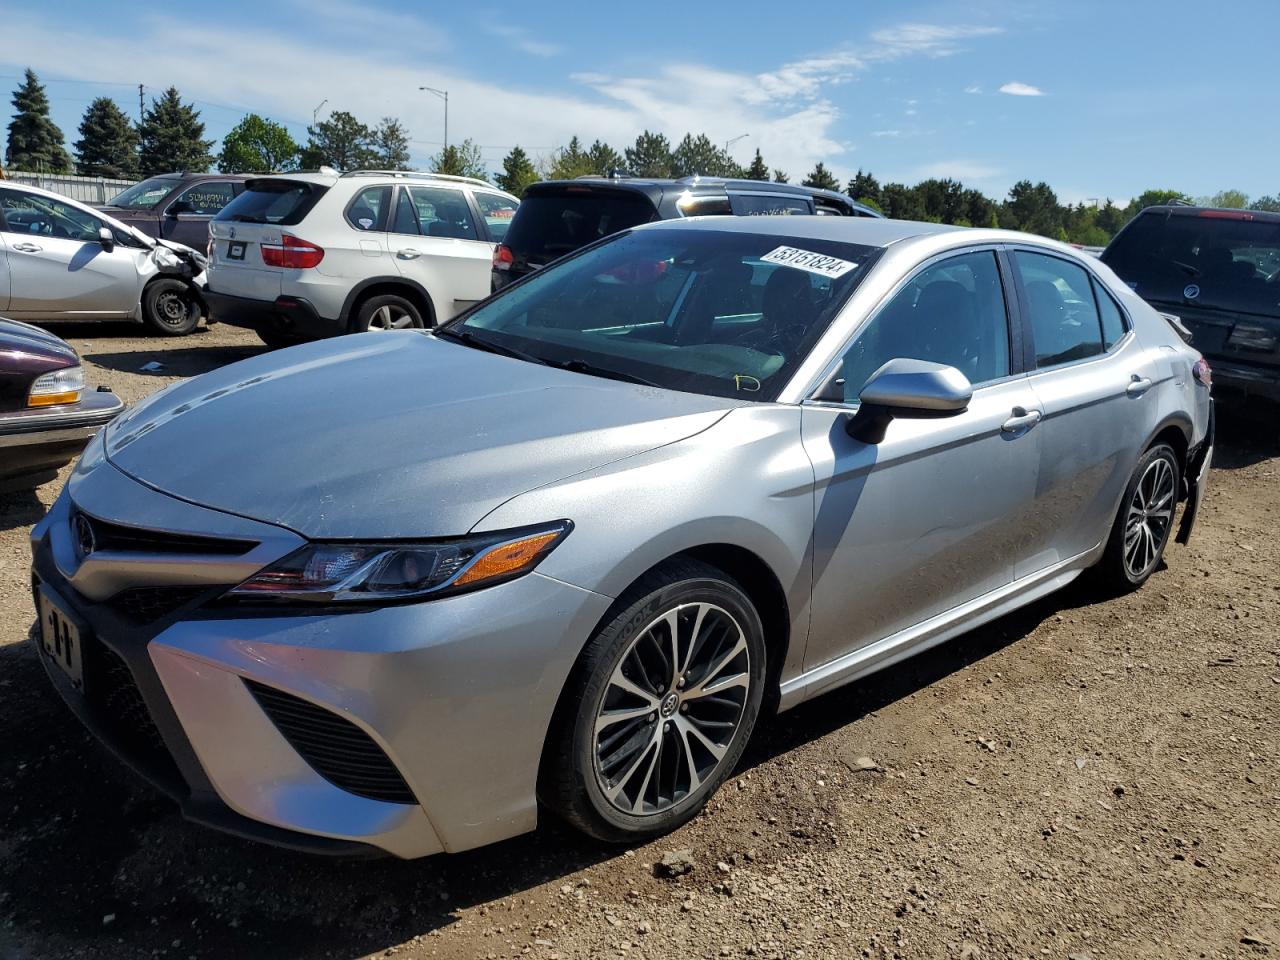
955,169
1015,89
520,38
973,88
886,133
933,40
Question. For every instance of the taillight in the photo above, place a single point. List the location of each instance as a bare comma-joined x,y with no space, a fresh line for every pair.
503,258
292,253
1203,373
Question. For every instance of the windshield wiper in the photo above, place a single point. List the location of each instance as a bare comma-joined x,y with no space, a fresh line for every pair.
469,339
582,366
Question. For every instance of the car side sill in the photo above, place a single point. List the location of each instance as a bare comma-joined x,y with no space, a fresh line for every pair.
931,632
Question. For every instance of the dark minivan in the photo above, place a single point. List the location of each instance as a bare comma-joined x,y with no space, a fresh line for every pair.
557,217
1219,271
176,206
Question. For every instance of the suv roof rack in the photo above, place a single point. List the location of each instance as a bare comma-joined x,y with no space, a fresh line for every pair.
415,174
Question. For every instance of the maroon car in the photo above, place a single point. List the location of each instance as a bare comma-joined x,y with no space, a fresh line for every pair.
46,418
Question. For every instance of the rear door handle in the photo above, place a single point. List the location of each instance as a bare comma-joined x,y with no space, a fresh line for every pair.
1138,386
408,253
27,247
1021,421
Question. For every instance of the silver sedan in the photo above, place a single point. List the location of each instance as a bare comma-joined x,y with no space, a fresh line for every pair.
402,592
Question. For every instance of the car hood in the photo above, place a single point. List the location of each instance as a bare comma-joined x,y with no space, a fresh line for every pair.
22,338
381,436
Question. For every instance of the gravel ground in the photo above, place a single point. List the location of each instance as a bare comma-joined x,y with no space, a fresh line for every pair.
1080,779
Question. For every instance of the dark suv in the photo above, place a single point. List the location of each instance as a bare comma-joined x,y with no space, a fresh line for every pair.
176,206
557,217
1219,270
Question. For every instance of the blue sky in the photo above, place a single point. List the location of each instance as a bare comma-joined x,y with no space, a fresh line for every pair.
1100,99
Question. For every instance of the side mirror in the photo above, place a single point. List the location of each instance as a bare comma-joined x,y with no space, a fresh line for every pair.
107,239
177,207
908,388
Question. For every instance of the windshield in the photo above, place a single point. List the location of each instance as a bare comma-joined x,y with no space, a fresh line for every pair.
145,195
1206,259
722,313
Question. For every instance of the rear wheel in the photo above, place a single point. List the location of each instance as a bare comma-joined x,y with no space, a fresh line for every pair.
659,708
171,307
1145,521
387,311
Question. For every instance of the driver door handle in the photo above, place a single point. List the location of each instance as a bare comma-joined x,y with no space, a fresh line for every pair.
1138,386
1021,421
408,253
27,247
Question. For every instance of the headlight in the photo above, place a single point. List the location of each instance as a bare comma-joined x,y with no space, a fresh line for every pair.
382,572
59,386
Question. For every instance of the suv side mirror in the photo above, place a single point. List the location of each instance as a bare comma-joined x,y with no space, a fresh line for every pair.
908,388
177,207
107,239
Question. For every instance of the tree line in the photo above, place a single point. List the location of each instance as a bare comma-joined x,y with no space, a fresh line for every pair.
170,136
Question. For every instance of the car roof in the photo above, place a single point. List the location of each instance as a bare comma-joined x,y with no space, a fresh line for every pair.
184,175
867,231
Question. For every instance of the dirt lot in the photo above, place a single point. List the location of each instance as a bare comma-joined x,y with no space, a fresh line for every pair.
1080,779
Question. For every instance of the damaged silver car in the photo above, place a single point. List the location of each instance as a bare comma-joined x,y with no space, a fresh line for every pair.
61,260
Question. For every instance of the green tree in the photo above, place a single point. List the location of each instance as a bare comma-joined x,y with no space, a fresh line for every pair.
1229,199
1155,198
1270,202
650,156
517,172
257,145
865,188
172,137
108,144
569,163
822,178
389,145
461,160
759,170
339,141
1110,218
35,142
603,158
901,202
1032,208
781,176
698,156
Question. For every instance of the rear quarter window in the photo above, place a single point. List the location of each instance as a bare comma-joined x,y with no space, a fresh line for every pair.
284,202
756,205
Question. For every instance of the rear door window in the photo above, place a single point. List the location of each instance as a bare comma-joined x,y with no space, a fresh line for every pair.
283,202
763,205
549,225
1212,259
1063,312
434,212
1113,326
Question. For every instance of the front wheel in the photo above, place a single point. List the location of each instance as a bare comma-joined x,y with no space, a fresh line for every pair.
171,307
1142,527
659,708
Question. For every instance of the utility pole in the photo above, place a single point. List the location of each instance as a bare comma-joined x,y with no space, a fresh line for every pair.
443,95
141,108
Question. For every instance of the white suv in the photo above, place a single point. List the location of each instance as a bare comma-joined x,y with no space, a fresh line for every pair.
304,255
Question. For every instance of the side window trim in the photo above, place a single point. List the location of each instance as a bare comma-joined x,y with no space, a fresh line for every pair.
399,194
481,224
1012,316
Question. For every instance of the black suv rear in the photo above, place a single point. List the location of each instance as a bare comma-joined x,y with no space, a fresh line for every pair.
557,217
1219,270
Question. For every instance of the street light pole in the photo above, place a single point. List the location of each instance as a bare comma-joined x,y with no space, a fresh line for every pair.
443,95
732,140
316,112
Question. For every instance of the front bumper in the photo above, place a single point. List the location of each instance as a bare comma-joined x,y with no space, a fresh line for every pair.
288,316
457,693
37,440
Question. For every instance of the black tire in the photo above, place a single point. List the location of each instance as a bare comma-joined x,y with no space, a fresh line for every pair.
570,782
371,312
277,340
171,307
1122,568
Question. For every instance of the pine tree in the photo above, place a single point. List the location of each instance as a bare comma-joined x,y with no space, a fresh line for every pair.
759,170
460,160
571,162
780,176
650,156
603,158
390,145
821,178
865,188
172,137
517,172
257,145
699,156
339,141
108,144
35,142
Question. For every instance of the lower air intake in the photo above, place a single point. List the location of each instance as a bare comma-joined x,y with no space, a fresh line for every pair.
335,748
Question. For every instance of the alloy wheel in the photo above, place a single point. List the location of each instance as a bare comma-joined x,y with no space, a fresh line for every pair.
390,317
1149,517
671,708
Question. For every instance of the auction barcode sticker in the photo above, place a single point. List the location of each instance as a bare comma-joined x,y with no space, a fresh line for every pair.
818,263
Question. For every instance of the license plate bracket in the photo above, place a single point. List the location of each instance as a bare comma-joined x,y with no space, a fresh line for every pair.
235,250
62,640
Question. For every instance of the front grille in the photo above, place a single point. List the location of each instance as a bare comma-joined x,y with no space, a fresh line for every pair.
118,705
120,538
147,604
335,748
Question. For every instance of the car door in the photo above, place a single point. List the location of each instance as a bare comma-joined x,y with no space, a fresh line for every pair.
1092,379
929,518
436,243
186,217
57,264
